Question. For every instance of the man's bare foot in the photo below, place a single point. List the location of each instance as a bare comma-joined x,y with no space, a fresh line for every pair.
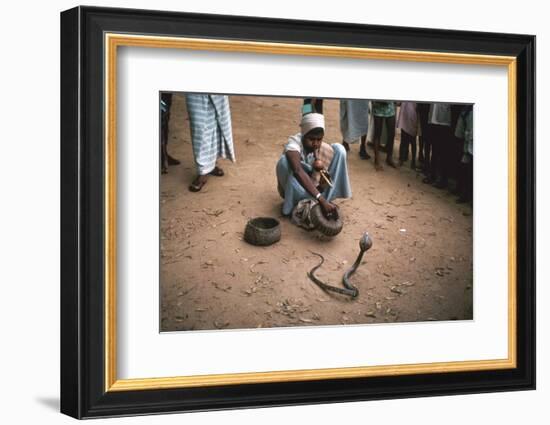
378,166
198,183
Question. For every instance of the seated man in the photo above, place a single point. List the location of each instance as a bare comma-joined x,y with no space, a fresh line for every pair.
297,179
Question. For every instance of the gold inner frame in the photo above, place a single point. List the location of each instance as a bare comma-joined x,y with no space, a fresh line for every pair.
113,41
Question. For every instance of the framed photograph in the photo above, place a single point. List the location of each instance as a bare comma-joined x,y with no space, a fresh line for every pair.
261,212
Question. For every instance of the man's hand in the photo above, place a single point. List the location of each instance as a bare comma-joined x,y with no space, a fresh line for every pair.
330,211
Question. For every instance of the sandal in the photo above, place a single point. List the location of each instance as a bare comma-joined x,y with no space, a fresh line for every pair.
217,171
197,184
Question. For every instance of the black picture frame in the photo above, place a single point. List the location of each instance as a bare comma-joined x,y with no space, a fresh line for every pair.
83,392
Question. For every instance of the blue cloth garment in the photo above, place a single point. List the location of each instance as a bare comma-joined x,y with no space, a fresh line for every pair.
354,119
211,135
292,191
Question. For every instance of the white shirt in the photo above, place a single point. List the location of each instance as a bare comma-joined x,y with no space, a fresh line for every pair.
294,144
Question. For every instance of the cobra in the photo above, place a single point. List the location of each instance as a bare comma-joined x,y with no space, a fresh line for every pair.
365,243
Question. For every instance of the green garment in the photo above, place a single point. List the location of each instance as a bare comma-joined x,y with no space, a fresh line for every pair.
383,109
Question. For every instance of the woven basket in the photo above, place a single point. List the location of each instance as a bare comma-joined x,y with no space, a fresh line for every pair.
262,231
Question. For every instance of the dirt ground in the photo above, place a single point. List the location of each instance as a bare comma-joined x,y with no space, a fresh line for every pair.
419,268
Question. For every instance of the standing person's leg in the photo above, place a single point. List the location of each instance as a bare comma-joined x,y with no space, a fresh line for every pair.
167,158
413,152
345,145
465,187
420,150
446,146
461,182
428,150
470,179
383,136
459,150
206,138
390,128
168,99
378,121
455,158
431,161
164,118
165,103
455,145
420,138
423,155
315,104
404,147
363,154
345,122
318,104
370,133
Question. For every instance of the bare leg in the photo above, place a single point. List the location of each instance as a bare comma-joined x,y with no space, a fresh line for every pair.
413,153
345,145
165,158
363,149
377,134
390,128
163,162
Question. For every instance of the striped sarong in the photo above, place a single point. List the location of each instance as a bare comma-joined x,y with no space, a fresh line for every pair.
211,134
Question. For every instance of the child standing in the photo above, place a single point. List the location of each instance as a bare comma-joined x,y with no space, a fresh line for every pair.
408,123
384,112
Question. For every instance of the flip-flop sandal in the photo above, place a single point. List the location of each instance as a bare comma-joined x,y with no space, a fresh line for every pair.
364,155
217,171
196,187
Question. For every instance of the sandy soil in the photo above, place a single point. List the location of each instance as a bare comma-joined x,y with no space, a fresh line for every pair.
419,268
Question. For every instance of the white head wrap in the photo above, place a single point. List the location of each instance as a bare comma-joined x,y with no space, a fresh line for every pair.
311,121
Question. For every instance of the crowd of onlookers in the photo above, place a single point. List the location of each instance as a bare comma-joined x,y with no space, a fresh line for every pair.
436,138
